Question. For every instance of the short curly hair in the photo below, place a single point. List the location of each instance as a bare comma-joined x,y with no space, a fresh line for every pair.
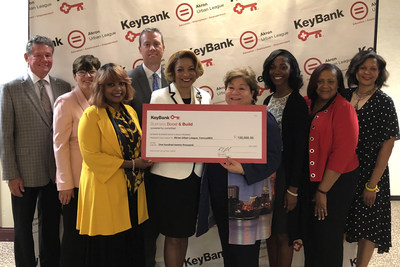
246,74
170,69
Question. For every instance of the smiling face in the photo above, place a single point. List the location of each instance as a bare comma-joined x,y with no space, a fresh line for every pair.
40,60
327,85
238,92
185,73
367,73
280,71
152,49
85,79
114,93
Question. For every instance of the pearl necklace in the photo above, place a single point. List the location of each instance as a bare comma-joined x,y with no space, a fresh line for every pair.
362,96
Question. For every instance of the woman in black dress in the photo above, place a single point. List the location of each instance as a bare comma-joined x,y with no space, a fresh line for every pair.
369,221
281,73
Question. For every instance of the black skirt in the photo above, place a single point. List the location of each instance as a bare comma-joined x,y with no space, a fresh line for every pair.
174,204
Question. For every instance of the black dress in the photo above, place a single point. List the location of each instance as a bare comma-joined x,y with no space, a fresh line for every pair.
378,122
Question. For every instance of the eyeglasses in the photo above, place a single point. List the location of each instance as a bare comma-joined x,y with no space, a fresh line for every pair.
82,73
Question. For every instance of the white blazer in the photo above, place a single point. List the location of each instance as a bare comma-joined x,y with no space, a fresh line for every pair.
171,95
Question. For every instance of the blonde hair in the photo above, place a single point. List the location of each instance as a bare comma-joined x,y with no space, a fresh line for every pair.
106,74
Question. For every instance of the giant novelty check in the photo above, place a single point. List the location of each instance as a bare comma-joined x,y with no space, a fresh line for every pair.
204,133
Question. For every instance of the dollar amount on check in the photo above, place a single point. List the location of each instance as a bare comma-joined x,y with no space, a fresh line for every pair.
204,133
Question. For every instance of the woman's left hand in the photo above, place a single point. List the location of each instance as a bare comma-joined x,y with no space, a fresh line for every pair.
232,166
321,208
369,197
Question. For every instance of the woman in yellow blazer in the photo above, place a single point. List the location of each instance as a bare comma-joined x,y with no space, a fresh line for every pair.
112,199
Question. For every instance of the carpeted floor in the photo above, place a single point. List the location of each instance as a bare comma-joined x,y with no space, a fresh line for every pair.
391,259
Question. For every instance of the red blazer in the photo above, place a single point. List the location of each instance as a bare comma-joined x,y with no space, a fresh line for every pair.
333,139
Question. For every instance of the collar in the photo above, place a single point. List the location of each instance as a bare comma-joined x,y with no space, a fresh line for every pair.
195,95
35,78
149,72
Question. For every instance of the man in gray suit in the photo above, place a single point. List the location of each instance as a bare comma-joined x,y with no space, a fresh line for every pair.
149,76
146,78
26,154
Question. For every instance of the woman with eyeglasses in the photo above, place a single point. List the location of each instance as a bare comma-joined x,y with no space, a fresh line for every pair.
68,109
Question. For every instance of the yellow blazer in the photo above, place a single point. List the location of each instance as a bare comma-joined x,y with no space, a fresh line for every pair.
103,207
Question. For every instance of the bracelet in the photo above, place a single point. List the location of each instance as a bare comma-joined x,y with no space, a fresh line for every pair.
375,189
322,192
133,164
291,193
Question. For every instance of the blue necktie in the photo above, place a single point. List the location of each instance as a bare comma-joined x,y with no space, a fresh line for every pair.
156,86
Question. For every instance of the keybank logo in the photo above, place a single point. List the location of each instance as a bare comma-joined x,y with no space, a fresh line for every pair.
318,18
65,7
144,20
210,47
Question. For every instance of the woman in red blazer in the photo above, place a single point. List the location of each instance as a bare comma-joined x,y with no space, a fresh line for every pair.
333,167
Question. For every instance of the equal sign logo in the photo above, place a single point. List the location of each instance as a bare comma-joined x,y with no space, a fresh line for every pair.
359,10
184,12
248,40
311,64
76,39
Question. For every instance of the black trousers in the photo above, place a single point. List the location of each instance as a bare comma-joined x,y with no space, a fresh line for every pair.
73,246
112,250
234,255
149,229
323,243
49,210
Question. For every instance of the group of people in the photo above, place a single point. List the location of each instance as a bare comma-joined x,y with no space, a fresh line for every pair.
78,153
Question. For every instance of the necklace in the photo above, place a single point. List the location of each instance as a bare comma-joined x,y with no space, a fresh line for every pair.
362,96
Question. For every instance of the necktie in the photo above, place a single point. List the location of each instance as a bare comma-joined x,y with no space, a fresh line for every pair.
156,86
46,104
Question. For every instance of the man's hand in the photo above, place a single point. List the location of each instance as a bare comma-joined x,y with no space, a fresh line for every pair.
16,187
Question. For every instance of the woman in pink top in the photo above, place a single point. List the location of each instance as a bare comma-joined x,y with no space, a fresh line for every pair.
68,109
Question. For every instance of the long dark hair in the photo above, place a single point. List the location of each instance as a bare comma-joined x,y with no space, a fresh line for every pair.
295,78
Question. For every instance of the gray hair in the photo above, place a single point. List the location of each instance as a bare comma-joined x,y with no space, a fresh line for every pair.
37,39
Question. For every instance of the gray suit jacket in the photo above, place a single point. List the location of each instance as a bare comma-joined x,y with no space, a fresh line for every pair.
142,89
26,137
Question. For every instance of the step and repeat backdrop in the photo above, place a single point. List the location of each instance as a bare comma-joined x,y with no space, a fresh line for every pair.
224,34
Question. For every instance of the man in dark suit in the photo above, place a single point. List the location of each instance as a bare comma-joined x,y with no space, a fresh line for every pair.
26,154
149,75
146,78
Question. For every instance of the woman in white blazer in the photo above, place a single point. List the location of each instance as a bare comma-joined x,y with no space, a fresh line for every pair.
175,186
68,110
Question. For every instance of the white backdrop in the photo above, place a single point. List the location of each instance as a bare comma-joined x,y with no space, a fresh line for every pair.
224,33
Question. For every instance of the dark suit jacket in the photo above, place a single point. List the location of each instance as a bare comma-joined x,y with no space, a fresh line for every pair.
142,89
294,137
26,137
